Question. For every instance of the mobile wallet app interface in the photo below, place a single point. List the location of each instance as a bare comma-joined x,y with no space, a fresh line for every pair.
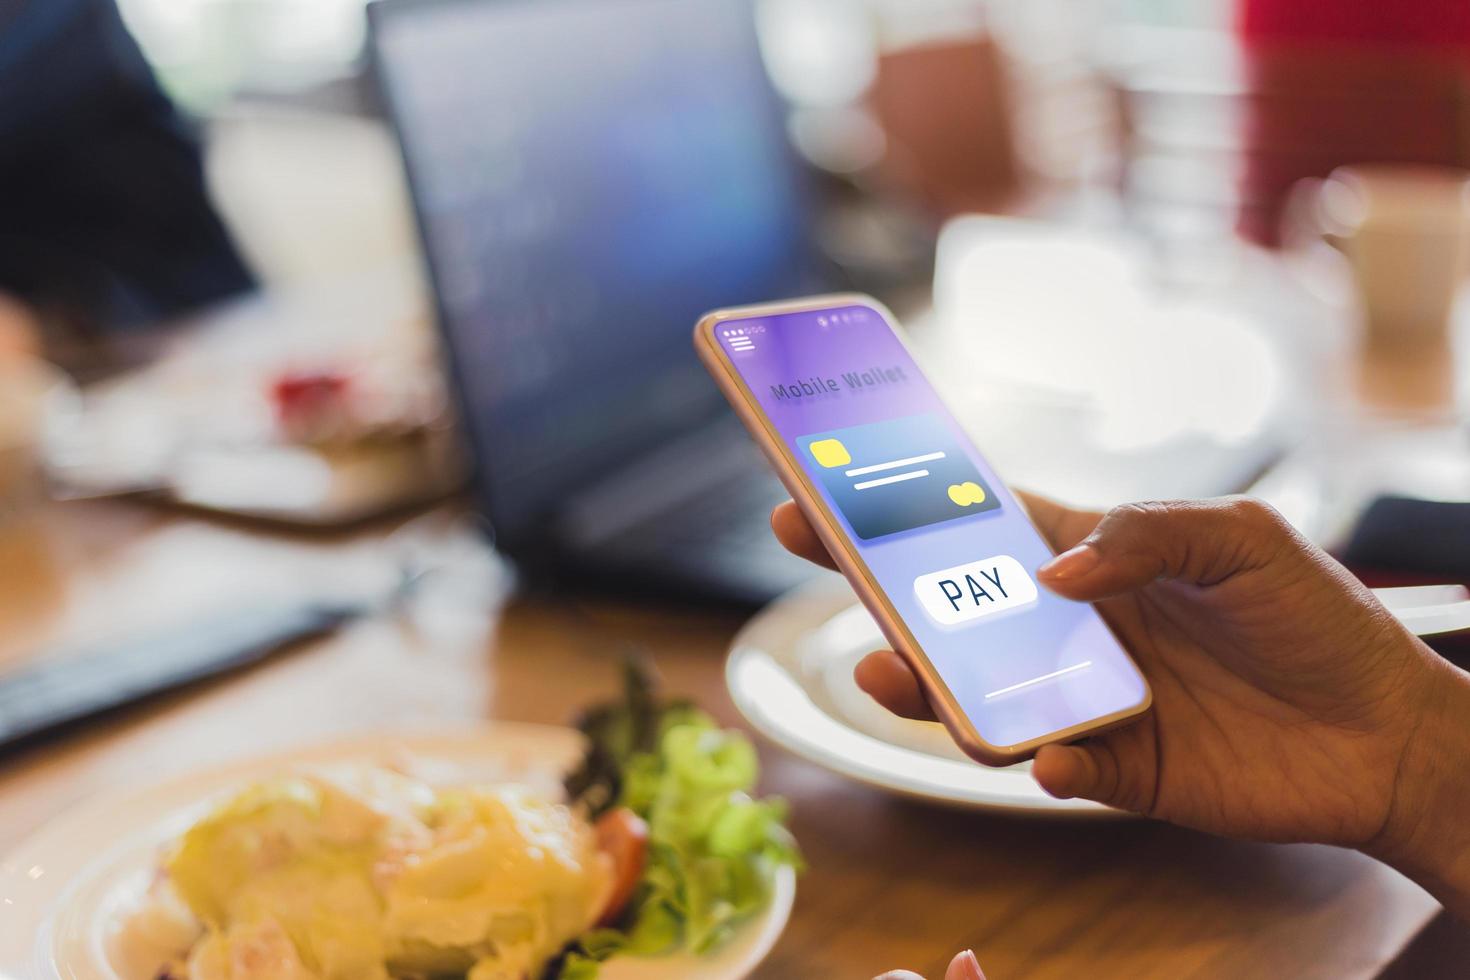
943,538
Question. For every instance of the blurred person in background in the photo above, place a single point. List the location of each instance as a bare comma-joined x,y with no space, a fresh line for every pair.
105,222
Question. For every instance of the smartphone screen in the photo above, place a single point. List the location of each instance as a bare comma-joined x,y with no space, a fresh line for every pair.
939,533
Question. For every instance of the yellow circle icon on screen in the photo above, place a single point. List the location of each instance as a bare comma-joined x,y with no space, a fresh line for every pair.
966,494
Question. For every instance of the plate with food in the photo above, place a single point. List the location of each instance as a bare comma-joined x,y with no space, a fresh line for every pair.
632,848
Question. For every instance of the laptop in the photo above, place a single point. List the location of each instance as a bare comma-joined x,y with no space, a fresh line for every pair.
588,177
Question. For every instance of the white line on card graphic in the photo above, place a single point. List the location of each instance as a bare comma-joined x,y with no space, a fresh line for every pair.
885,480
892,464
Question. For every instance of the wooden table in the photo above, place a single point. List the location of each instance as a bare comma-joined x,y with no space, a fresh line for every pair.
891,882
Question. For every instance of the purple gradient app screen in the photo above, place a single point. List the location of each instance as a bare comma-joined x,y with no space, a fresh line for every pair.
939,532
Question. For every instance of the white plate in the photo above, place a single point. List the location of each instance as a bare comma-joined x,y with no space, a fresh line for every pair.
790,674
63,890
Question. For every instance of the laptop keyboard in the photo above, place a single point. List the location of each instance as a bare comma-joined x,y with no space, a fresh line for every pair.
52,693
722,540
698,511
736,517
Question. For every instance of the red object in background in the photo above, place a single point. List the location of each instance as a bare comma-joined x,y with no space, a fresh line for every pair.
1412,22
1334,82
304,398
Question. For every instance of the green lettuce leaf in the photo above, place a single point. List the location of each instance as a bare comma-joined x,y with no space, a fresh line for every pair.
713,847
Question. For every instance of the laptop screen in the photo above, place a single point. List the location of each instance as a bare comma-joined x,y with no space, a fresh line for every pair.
589,176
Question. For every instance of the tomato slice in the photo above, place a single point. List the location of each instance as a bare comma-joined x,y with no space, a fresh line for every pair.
623,837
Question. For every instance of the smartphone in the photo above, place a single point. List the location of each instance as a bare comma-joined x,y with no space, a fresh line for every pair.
936,547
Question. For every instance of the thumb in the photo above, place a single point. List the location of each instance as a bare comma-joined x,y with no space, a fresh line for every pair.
1087,771
1201,542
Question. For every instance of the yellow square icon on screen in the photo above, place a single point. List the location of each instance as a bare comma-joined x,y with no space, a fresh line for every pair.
830,453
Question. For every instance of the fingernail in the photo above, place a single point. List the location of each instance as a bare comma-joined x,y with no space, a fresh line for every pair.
1071,564
968,966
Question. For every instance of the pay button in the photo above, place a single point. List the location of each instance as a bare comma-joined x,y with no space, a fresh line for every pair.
975,589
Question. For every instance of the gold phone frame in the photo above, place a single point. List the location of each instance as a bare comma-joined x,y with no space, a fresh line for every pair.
844,553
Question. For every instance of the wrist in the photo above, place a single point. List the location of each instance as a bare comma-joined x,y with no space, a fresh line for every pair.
1427,833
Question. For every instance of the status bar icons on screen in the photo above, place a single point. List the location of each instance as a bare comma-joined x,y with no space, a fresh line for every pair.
896,475
844,317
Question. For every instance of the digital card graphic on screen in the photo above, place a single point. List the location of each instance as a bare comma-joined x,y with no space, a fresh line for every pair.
896,475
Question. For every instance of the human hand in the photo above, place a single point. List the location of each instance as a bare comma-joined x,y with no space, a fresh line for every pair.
963,967
1289,704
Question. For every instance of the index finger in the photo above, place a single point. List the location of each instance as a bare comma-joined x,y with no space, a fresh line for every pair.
1060,525
795,533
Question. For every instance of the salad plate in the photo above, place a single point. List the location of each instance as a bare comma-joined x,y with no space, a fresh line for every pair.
65,893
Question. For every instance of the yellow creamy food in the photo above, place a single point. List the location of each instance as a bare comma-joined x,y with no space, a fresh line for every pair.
377,875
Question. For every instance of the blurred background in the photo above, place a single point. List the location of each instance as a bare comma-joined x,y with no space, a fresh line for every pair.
283,281
324,317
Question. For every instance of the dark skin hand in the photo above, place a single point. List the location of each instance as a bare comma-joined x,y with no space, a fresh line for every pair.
1289,704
